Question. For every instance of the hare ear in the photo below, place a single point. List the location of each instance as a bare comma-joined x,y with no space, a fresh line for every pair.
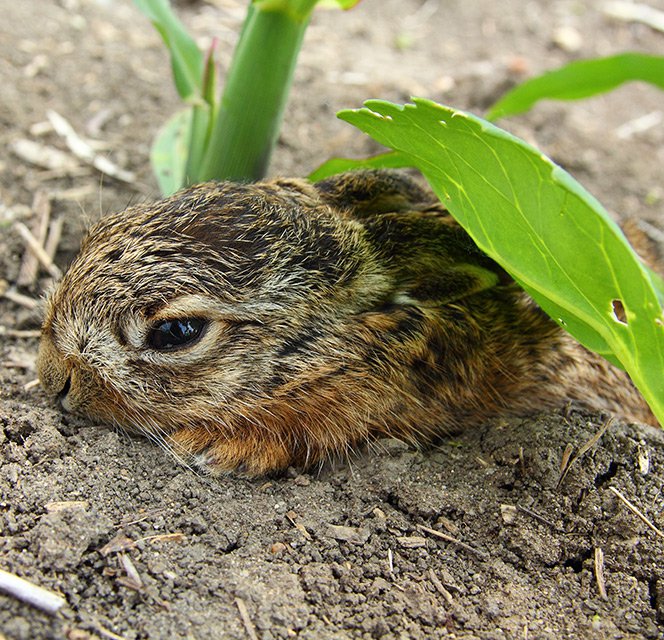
365,193
433,259
431,256
451,283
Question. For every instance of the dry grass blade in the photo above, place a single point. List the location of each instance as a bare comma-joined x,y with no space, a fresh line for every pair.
31,384
30,593
63,505
564,460
54,236
41,206
635,12
639,125
412,542
120,542
459,543
294,519
599,573
25,334
81,149
564,468
246,620
164,537
104,632
538,517
37,249
133,578
43,156
636,512
440,587
18,298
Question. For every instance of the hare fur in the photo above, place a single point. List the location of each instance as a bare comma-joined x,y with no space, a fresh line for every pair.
249,327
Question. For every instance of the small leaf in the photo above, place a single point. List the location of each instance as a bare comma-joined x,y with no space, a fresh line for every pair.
202,120
581,79
186,57
392,160
538,223
169,152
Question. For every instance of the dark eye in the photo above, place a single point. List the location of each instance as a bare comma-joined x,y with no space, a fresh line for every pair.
173,334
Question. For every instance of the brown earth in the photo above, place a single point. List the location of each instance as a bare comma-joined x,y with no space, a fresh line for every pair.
342,553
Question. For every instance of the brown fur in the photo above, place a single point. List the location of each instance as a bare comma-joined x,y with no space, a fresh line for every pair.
337,313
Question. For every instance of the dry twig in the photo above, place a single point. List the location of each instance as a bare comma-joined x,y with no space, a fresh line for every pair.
37,249
599,573
246,620
41,207
435,580
54,236
30,593
132,579
538,517
635,12
294,519
31,384
81,149
120,542
11,294
636,512
459,543
19,333
564,469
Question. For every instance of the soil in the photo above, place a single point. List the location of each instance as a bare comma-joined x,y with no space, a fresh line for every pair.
142,548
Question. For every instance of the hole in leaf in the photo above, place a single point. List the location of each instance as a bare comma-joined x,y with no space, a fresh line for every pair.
619,311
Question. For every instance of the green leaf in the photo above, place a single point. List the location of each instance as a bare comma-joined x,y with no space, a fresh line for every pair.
300,9
186,57
581,79
539,224
391,160
657,284
169,152
341,4
202,118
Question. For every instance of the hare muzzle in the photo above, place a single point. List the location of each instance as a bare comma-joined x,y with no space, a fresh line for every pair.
54,372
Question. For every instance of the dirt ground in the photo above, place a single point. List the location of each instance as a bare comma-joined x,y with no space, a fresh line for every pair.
142,548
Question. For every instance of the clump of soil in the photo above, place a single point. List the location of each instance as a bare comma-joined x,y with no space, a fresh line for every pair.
477,538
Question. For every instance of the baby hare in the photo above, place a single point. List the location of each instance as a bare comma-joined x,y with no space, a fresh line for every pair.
248,327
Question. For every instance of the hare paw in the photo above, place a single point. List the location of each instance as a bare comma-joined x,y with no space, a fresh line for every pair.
218,454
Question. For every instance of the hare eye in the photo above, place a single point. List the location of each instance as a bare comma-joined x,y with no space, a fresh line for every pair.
173,334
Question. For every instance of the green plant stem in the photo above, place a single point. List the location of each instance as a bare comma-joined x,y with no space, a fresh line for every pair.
254,97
